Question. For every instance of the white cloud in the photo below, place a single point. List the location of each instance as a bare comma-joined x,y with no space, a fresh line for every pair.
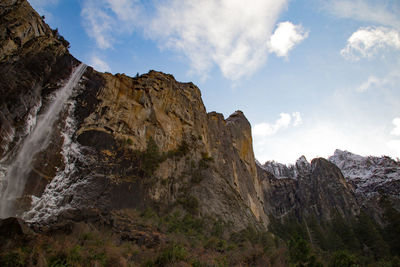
374,11
98,23
368,41
394,145
232,34
99,64
285,120
390,79
103,19
285,37
396,130
125,10
229,34
372,81
297,118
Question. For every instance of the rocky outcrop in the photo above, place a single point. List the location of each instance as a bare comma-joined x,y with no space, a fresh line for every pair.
307,190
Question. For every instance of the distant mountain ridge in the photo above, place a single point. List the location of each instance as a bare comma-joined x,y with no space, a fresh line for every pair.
369,175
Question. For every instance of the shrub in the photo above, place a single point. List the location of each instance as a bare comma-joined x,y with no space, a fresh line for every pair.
190,204
299,250
343,258
13,258
129,141
172,254
216,244
59,260
187,224
60,38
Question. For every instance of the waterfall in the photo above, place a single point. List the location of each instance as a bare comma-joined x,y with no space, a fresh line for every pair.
17,172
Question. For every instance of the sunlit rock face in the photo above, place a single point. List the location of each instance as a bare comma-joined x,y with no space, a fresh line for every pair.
119,142
203,156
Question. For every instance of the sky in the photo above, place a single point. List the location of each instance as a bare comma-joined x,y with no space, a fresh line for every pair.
310,76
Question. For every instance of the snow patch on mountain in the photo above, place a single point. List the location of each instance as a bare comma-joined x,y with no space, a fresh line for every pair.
369,175
290,171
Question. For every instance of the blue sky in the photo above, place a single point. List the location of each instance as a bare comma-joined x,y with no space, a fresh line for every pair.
311,76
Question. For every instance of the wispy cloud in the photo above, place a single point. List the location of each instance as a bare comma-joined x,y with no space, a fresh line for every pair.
372,81
390,80
104,20
285,120
369,41
286,36
372,11
98,23
99,64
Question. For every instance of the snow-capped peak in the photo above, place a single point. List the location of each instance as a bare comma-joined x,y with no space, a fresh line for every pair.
280,170
367,174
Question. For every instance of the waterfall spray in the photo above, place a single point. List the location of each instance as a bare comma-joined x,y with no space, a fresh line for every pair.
17,172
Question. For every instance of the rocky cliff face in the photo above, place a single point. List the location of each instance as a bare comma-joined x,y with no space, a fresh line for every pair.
148,141
317,189
373,178
34,61
120,142
133,143
369,175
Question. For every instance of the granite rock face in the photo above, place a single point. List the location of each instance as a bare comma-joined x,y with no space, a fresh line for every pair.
120,142
317,189
135,143
199,158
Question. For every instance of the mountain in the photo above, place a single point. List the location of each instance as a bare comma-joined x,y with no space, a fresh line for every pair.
134,171
317,189
369,175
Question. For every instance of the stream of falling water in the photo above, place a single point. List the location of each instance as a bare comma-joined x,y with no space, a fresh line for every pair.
35,142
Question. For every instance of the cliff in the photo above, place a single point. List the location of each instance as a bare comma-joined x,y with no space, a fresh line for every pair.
119,150
198,157
307,190
123,142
